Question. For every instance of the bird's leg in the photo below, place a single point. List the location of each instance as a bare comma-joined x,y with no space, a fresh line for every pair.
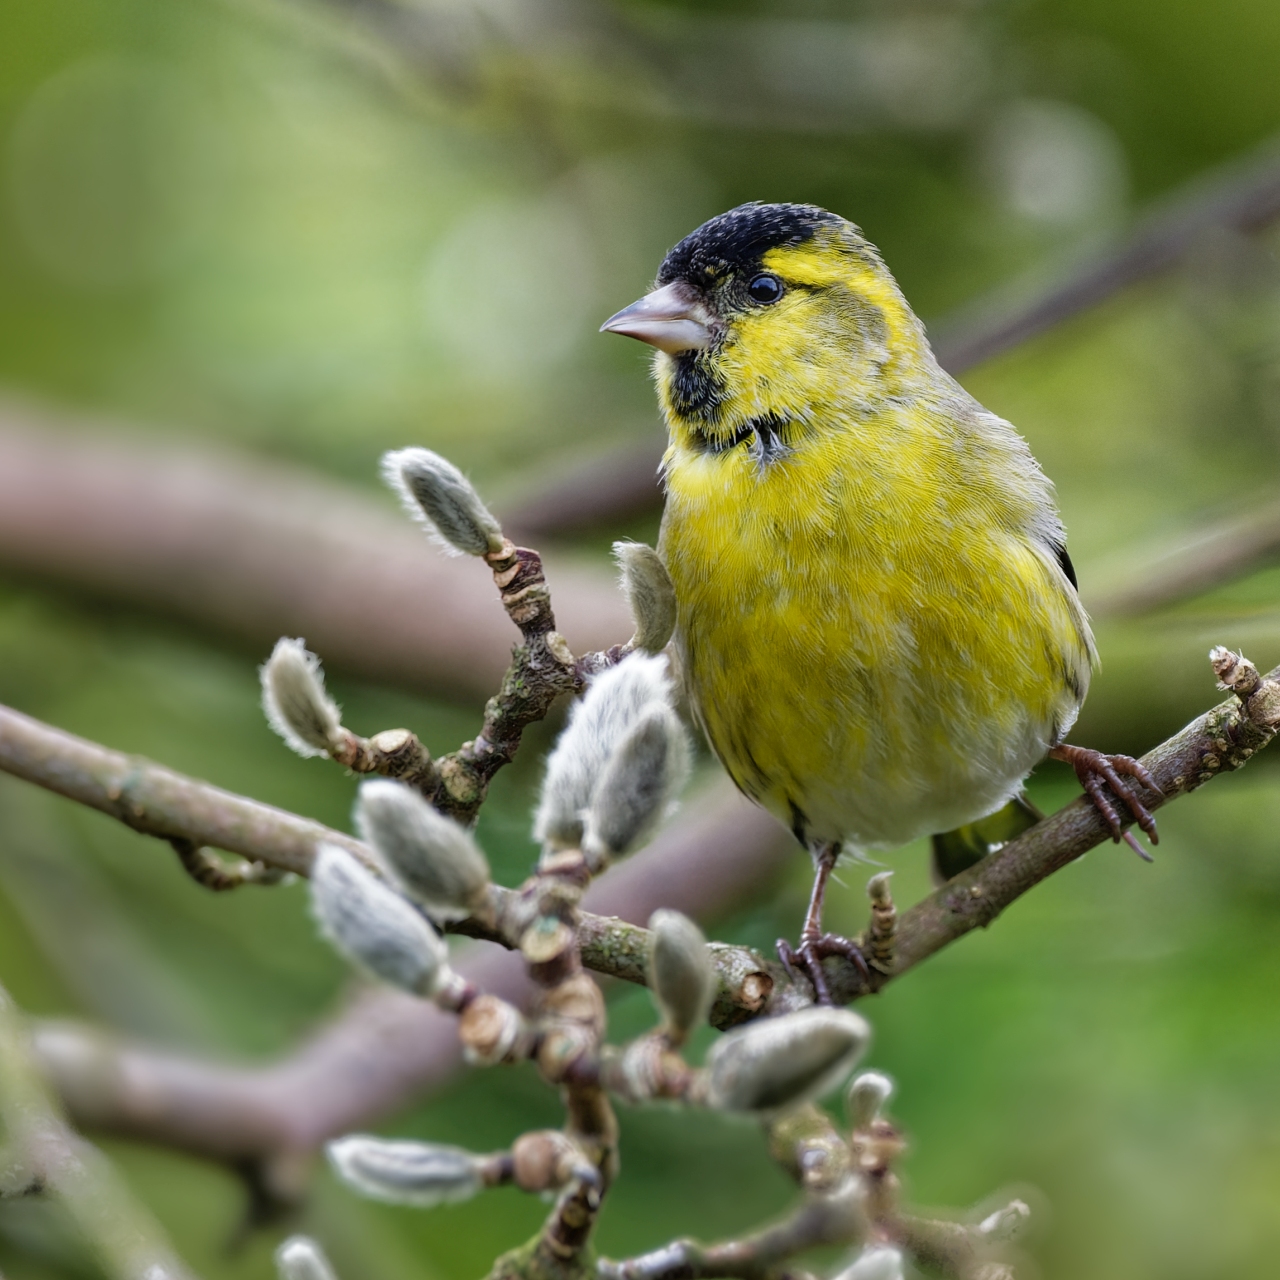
824,864
815,945
1094,769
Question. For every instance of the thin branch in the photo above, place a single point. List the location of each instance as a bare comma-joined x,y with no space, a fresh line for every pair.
832,1219
158,801
1220,741
55,1160
211,872
542,669
852,1196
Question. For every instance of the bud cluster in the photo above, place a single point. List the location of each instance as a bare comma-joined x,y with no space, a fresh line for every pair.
617,766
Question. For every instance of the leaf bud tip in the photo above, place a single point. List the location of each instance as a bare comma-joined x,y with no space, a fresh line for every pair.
435,493
433,858
295,702
373,926
681,974
650,595
301,1258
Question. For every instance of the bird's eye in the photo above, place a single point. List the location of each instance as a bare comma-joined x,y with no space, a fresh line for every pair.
765,288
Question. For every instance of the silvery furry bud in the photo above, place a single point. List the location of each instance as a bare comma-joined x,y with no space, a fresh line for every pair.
295,702
437,494
867,1095
875,1262
617,699
300,1258
431,857
373,926
1005,1223
650,595
776,1063
637,786
681,975
417,1173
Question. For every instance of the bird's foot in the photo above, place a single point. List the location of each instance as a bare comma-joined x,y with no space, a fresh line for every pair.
807,959
1097,771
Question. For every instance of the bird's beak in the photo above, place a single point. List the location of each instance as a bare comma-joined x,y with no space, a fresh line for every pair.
671,319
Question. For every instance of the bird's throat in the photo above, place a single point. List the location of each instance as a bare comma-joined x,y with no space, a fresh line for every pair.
695,390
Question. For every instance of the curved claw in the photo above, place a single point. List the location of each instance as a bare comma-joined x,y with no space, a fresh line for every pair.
807,959
1132,841
1093,769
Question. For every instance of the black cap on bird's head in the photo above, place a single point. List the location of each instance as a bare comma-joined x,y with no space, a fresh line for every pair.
679,315
737,240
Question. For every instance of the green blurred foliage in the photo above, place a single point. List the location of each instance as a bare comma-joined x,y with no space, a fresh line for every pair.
274,225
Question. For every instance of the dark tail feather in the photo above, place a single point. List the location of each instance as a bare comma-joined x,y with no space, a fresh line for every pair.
958,850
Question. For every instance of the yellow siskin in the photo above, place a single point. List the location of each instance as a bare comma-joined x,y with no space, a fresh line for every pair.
878,622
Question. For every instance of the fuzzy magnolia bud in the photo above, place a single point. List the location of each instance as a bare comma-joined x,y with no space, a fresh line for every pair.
417,1173
295,702
876,1262
781,1062
650,595
300,1258
681,975
431,857
437,494
637,786
617,700
373,926
868,1093
1005,1223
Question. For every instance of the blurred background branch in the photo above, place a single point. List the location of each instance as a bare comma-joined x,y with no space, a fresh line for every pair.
44,1157
259,551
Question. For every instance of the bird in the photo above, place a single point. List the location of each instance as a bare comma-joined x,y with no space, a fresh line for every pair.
878,624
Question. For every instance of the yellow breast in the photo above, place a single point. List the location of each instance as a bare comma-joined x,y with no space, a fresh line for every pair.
873,638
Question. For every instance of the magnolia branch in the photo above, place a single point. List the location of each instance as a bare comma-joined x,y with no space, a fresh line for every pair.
769,1068
161,802
158,801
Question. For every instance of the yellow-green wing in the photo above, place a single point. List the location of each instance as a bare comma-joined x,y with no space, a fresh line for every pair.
958,850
